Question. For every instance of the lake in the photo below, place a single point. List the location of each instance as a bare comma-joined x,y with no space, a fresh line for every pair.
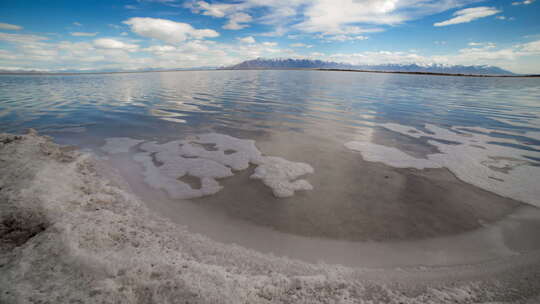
423,164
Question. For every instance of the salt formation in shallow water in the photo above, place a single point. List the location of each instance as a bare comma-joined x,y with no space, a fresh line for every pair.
472,156
72,234
209,157
388,155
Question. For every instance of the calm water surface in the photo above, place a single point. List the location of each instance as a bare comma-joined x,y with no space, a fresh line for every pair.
334,103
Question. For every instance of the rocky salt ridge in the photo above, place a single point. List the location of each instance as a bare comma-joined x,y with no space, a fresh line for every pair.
471,154
209,157
71,233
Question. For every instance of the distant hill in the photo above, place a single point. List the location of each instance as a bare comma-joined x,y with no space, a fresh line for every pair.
261,63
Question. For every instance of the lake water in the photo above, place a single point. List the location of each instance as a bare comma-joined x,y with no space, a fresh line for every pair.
337,103
485,131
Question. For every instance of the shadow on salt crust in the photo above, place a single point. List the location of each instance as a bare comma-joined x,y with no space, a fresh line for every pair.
179,158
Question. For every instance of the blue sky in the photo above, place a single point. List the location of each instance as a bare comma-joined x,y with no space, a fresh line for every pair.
89,35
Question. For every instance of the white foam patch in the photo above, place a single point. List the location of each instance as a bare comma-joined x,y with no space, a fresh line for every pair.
209,157
474,159
116,145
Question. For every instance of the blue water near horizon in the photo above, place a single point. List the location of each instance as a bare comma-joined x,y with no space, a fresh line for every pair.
169,104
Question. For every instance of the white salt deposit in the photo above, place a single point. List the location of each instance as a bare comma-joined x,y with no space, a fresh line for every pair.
475,159
282,175
388,155
115,145
71,235
209,157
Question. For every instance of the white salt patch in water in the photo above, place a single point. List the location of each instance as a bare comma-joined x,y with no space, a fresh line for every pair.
180,158
115,145
167,176
500,169
281,175
245,151
388,155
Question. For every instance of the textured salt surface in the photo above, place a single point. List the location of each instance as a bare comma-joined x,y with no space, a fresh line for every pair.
473,157
209,157
70,235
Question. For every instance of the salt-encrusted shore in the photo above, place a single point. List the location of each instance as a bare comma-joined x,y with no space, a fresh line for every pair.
72,235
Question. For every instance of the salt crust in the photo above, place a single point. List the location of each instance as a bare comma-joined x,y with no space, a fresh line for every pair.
98,243
223,154
388,155
474,159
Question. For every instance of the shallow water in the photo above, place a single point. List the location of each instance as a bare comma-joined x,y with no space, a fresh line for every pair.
307,116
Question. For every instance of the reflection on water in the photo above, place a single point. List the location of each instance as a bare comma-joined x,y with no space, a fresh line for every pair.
147,104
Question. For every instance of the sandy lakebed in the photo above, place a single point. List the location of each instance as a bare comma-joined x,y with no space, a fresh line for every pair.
73,232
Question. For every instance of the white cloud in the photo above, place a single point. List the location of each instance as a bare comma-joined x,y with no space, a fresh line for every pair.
160,49
485,45
108,43
531,47
12,27
248,39
348,17
469,14
326,17
77,24
233,12
334,17
167,30
277,32
301,45
379,57
237,21
271,44
83,34
525,2
21,38
345,38
214,10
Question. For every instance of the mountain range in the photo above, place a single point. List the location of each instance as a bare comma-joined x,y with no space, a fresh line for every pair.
262,63
288,63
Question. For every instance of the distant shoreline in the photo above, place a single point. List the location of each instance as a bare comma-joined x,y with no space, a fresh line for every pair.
250,69
391,72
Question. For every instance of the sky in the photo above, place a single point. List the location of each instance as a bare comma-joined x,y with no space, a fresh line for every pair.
138,34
